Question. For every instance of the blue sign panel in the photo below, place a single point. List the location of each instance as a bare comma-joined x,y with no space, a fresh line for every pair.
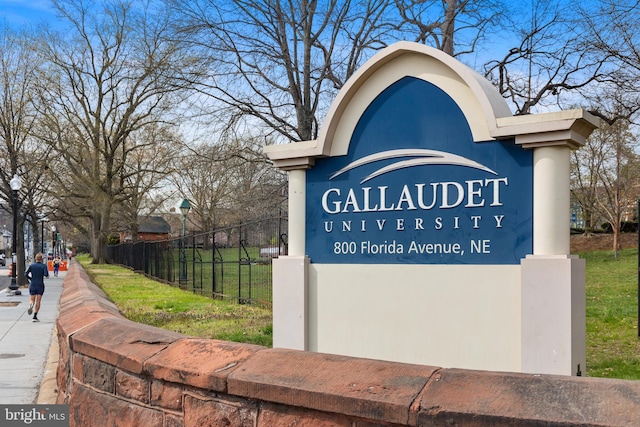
415,188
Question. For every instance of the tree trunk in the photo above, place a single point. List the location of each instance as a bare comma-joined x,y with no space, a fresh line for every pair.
98,239
448,26
617,241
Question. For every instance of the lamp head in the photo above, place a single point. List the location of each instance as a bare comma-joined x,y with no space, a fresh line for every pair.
185,207
15,183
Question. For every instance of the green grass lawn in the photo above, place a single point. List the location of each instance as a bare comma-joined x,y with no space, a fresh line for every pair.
613,349
146,301
249,280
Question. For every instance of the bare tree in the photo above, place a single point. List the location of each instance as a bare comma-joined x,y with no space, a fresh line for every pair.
205,181
453,26
230,182
260,189
606,176
146,176
19,153
280,62
112,74
614,198
612,29
585,183
552,62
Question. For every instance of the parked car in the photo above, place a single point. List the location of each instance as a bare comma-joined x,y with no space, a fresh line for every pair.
3,260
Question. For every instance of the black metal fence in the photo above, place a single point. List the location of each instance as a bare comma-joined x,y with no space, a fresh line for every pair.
233,262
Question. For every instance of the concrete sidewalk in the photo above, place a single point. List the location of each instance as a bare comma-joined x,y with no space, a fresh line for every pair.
25,362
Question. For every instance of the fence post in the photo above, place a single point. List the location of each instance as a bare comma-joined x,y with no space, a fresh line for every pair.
193,263
213,263
239,264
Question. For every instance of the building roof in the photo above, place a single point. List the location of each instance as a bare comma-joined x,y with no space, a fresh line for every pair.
154,224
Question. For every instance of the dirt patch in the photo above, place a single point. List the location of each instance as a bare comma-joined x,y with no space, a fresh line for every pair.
591,242
8,303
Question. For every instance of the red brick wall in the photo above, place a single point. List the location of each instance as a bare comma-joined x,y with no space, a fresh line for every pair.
116,372
149,237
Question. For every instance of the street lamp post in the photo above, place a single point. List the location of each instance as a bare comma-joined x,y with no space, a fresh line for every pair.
15,185
185,207
42,237
53,240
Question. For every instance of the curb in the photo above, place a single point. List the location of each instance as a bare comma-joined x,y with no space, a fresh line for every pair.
48,393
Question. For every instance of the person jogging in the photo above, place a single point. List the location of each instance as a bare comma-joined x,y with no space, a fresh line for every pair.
36,274
56,265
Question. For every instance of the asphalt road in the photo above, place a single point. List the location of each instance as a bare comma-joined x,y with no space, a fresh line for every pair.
4,277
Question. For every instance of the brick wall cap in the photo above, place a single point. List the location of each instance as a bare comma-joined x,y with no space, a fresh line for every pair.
202,363
121,343
366,388
501,398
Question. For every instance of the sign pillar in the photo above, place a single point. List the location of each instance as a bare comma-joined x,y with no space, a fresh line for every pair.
551,195
553,299
290,274
297,183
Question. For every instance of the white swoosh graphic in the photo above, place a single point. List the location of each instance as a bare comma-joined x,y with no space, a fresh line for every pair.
424,157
